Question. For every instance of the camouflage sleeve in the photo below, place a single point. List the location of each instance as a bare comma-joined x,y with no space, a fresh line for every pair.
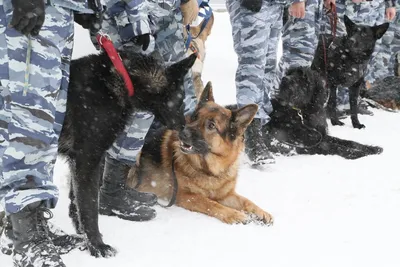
390,3
295,1
131,17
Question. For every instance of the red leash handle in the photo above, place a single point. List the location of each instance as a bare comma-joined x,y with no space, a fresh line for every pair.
108,46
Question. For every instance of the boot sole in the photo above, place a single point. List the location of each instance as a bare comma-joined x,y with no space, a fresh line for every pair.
129,217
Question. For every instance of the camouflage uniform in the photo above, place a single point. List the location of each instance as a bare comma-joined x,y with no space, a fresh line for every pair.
299,40
34,78
255,36
162,19
385,60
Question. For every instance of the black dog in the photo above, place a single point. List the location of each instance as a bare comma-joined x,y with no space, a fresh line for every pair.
299,117
98,109
344,60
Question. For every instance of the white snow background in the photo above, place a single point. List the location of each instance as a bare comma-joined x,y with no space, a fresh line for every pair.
328,211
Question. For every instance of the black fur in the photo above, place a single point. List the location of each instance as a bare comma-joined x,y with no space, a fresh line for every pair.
98,108
299,118
347,58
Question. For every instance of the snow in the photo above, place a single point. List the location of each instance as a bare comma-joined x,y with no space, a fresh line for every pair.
328,211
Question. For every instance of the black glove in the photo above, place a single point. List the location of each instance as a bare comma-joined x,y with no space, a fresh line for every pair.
252,5
28,16
90,22
142,40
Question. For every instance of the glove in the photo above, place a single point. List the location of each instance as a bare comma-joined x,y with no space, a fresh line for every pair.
90,22
142,40
28,16
252,5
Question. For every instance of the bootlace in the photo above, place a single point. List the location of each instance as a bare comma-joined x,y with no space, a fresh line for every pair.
42,227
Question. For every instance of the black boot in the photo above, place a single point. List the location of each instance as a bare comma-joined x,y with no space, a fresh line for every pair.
116,199
255,147
31,242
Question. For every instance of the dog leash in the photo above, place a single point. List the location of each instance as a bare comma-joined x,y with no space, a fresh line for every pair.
309,128
174,183
206,18
107,45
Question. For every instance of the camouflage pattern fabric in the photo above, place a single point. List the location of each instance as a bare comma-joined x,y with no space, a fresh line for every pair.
255,38
299,40
125,21
34,78
386,59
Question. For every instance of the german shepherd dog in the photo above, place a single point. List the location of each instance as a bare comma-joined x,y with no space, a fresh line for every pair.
205,160
299,117
346,61
198,45
98,109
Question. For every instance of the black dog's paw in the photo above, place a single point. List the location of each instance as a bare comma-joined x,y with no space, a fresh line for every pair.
358,125
102,250
374,150
336,122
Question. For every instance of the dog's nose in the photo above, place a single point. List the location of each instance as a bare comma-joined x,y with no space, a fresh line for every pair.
185,134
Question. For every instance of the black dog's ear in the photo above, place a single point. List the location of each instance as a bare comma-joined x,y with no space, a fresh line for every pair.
178,70
245,115
380,30
349,24
207,94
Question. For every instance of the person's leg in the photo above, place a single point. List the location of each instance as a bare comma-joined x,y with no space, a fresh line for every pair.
299,40
115,197
31,77
250,32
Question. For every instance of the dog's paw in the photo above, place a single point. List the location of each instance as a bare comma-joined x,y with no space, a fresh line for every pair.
263,217
373,150
235,217
336,122
358,125
102,250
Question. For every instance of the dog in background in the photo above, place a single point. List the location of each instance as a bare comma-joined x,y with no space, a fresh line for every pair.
204,158
98,109
199,35
384,93
343,61
299,117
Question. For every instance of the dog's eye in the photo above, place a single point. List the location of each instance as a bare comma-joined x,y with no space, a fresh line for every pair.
211,125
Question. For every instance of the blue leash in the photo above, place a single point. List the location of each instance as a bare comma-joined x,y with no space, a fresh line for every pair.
203,4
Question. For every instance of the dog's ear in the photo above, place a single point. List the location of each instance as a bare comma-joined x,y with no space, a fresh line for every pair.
178,70
206,95
244,116
207,28
350,25
380,30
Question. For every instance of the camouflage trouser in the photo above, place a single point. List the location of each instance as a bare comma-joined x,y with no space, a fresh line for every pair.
34,78
299,40
169,46
366,13
255,37
385,61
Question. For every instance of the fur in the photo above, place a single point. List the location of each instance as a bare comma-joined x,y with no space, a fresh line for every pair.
98,108
347,58
299,117
385,92
198,45
206,156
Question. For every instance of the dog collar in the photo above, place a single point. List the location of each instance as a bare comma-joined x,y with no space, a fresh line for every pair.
106,43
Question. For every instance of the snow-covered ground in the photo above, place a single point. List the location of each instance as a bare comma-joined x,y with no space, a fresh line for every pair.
328,211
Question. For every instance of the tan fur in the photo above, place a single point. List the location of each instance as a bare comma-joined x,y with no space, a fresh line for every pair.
206,184
190,11
199,45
